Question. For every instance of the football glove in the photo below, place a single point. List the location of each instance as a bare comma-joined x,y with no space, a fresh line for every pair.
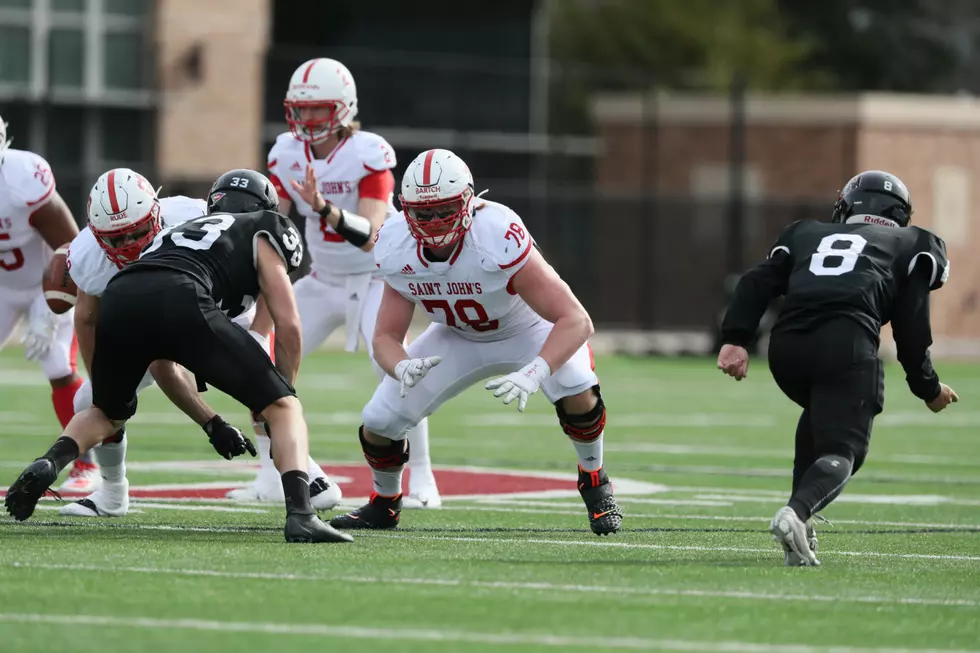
42,327
521,384
227,440
412,370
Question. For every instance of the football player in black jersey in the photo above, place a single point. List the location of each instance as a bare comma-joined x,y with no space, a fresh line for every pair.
175,303
841,281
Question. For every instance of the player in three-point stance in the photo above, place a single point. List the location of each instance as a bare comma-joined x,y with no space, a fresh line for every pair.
842,281
497,307
121,207
176,303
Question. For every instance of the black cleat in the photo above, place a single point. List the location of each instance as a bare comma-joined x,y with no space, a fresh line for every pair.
605,516
380,513
310,529
30,486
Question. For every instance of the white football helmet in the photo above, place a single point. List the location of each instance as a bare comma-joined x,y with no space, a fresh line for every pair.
324,85
4,141
123,214
437,196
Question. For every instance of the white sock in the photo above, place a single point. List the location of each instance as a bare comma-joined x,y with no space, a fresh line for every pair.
388,484
111,457
418,456
264,444
313,470
589,454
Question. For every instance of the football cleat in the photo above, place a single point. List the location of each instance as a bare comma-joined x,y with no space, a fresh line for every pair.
799,540
266,488
84,477
379,513
302,528
422,499
324,495
605,516
110,500
32,484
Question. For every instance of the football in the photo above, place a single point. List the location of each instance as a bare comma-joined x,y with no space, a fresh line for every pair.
59,290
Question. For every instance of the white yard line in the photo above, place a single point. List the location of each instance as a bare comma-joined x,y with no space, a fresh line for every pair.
674,547
441,635
546,587
554,508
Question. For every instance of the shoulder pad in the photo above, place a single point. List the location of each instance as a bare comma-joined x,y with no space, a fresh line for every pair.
374,151
929,254
88,265
501,236
29,178
179,209
391,237
283,235
286,146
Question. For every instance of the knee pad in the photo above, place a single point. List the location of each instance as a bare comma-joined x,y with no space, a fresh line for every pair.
392,455
83,397
585,427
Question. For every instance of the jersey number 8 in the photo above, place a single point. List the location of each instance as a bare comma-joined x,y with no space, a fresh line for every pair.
826,252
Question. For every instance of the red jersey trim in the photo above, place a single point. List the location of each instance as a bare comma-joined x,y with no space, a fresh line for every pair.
378,185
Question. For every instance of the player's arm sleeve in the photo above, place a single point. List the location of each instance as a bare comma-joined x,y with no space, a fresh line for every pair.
272,163
511,244
755,291
284,237
913,334
930,259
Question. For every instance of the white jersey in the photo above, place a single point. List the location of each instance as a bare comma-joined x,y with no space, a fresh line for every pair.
91,269
338,176
471,291
26,184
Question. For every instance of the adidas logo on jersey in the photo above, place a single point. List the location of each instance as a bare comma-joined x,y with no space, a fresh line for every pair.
295,166
408,270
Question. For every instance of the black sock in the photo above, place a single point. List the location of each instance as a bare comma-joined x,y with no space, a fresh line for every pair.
62,452
820,485
296,487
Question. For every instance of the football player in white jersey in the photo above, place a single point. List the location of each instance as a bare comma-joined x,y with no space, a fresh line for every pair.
352,170
121,208
34,222
497,307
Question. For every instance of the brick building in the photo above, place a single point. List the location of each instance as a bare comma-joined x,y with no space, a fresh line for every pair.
799,150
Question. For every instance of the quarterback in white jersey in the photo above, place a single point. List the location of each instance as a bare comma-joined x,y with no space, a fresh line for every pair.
349,177
94,258
496,307
34,222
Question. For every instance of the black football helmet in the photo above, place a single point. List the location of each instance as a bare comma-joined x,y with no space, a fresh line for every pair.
875,192
242,191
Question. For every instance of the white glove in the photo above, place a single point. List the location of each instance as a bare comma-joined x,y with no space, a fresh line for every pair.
412,370
265,341
521,384
42,326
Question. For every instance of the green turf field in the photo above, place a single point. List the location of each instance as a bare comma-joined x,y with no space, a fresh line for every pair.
707,461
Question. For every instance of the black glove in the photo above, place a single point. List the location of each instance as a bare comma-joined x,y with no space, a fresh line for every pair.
226,439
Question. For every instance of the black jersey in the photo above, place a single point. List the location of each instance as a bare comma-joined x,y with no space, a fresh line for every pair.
220,251
866,272
853,270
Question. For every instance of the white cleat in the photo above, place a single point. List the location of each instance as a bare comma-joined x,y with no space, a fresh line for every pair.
266,488
799,540
84,477
428,498
110,500
324,493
